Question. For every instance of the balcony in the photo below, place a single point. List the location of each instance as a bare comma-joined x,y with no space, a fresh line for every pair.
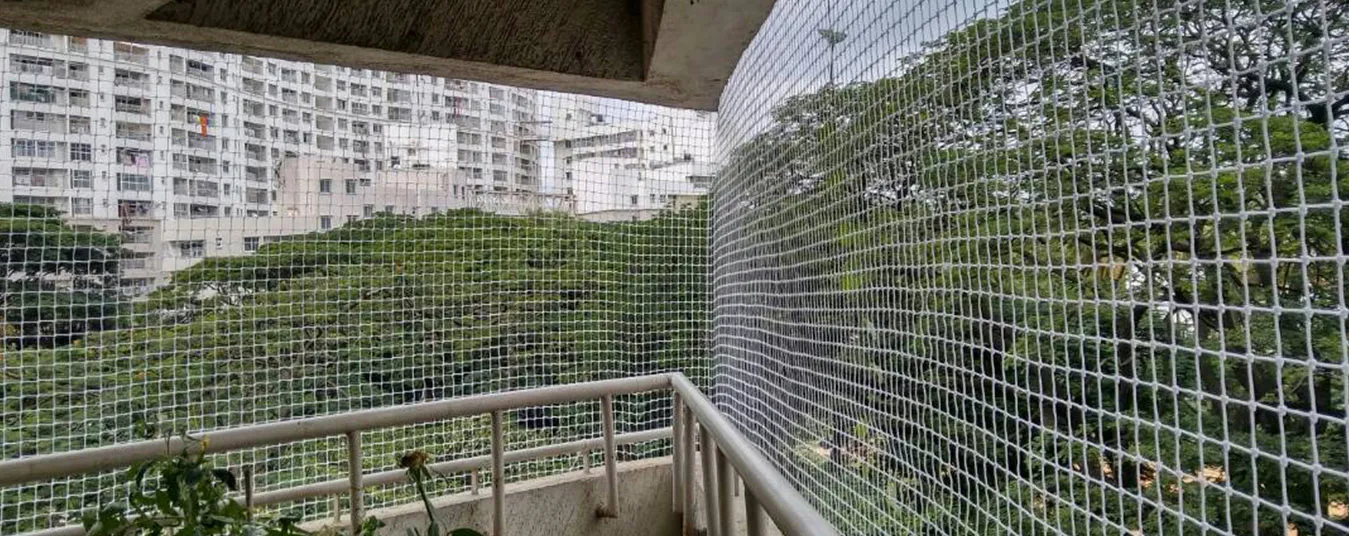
694,489
131,80
134,134
135,107
252,65
31,39
1044,268
129,53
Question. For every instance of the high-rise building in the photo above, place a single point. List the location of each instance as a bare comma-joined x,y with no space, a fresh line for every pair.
149,140
631,166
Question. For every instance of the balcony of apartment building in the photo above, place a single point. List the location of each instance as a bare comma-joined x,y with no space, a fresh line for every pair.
254,131
181,90
206,167
129,53
253,86
36,67
189,116
257,196
37,179
255,153
128,108
258,174
39,96
135,81
196,190
39,122
199,69
194,140
252,65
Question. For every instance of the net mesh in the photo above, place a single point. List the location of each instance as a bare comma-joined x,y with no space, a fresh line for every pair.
1042,267
1038,267
195,241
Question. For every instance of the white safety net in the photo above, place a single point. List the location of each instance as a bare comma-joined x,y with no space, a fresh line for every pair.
1041,267
195,241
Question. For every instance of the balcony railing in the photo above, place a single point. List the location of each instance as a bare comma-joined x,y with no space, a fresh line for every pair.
725,454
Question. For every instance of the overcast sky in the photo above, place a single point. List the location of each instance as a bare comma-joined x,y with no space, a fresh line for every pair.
790,57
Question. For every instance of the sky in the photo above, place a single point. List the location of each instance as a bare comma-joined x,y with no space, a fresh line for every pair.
789,56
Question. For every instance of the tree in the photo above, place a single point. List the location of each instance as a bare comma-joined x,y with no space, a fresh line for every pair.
60,282
1074,263
384,311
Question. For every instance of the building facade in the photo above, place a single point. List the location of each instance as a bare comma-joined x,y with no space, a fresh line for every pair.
156,142
636,164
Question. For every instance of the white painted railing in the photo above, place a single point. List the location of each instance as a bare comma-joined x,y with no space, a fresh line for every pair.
725,454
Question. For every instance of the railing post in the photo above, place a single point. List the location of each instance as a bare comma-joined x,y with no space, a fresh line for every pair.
498,477
753,515
355,476
708,449
473,482
676,454
686,439
725,490
610,457
248,490
585,461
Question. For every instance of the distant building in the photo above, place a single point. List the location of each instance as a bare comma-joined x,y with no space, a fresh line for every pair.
147,140
630,164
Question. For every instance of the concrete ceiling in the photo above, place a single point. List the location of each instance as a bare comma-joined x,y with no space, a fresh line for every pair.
670,52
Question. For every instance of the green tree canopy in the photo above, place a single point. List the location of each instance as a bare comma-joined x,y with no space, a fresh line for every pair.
1078,264
384,311
59,282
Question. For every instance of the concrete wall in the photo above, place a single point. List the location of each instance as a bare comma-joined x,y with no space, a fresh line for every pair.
560,505
672,53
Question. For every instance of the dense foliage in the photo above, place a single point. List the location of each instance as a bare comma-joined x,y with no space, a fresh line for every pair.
59,282
385,311
1079,265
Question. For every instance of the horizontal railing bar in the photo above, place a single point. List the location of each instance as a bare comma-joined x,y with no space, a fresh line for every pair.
790,511
49,466
783,503
398,476
385,478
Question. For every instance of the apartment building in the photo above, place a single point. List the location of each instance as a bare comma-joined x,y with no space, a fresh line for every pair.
155,142
629,166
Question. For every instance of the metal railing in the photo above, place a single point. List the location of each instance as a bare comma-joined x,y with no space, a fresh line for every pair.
725,454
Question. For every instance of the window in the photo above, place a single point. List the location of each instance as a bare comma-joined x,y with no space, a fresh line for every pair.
633,200
325,186
35,148
80,125
388,209
137,235
351,186
251,243
51,178
81,178
325,222
352,218
369,211
81,152
33,92
192,249
81,206
130,182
